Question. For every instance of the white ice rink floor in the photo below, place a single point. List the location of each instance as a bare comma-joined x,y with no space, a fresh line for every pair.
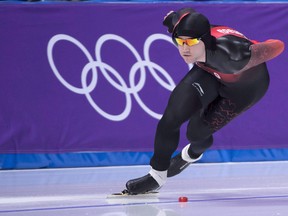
222,189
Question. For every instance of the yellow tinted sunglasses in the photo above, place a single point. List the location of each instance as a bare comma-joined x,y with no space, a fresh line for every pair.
188,41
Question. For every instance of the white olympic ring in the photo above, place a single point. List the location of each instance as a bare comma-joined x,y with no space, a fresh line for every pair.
107,71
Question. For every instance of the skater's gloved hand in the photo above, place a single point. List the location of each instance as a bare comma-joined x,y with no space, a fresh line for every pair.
172,18
168,21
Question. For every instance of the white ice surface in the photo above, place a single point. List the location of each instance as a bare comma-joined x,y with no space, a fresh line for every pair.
221,189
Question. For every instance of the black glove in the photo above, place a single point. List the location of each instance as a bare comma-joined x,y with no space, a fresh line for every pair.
172,18
168,21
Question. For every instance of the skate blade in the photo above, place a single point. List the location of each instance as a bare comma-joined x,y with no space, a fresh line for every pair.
126,194
126,198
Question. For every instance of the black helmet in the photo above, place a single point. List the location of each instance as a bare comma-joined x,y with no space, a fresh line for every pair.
188,22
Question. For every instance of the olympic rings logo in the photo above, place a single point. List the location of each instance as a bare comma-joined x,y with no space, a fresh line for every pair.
95,65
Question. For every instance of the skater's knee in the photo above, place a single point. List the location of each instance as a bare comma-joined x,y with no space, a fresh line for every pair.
170,120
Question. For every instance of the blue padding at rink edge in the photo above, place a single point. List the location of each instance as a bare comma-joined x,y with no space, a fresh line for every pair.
69,160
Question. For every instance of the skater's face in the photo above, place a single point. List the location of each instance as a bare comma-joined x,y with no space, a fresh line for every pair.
191,50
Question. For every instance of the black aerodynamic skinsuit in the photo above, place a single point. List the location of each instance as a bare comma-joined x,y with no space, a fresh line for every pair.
233,78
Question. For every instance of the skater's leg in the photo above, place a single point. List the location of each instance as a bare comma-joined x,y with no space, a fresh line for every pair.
168,129
189,98
186,100
167,133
